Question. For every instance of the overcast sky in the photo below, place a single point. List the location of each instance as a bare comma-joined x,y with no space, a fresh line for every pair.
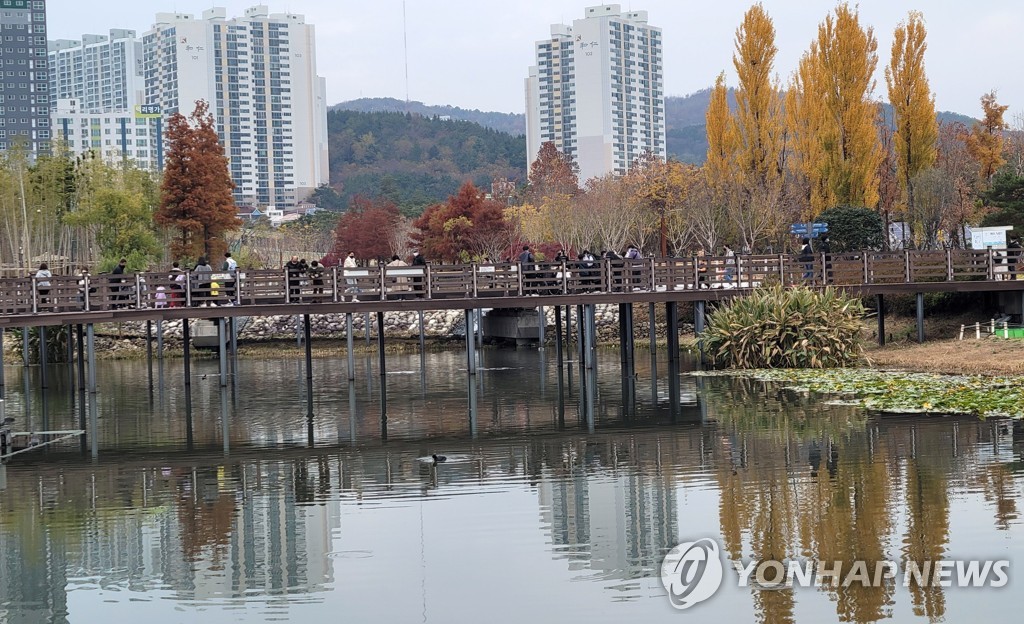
475,53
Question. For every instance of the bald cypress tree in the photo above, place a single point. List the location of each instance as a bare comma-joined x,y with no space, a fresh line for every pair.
195,198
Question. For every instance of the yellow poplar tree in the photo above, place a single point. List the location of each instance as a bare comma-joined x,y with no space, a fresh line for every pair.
758,129
720,166
913,105
985,142
804,117
838,72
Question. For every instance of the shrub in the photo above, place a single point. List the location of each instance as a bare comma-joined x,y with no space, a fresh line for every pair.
778,327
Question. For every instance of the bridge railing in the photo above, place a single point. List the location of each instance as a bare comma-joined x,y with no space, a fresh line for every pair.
30,295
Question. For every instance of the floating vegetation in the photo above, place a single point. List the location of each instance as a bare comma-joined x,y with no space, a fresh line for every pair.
904,393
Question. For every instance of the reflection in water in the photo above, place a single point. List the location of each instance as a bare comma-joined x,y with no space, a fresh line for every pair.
577,521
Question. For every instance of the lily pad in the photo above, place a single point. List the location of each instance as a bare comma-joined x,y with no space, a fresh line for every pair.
906,393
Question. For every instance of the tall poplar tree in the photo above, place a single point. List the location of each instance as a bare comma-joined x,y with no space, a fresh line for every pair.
837,74
913,105
759,132
195,198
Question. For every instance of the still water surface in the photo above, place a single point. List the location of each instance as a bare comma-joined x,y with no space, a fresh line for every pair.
535,517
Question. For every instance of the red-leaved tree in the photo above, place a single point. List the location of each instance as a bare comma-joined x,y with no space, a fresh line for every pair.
552,173
367,229
465,228
195,197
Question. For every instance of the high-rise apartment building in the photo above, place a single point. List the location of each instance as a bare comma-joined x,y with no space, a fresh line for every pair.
597,91
258,74
101,73
24,86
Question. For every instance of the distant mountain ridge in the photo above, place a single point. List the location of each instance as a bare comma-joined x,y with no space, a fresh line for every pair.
510,123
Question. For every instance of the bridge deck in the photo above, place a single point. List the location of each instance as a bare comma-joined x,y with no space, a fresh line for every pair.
63,300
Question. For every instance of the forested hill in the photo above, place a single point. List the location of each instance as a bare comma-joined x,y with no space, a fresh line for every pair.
414,160
510,123
417,158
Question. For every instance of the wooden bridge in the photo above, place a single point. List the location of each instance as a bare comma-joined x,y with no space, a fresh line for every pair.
67,300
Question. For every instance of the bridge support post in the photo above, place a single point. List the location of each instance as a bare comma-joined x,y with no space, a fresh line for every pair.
672,335
699,322
470,343
160,339
81,383
222,352
149,354
349,344
559,362
3,386
90,347
234,337
589,352
672,330
24,346
423,332
366,328
541,326
185,350
383,372
880,306
306,332
920,318
479,328
43,382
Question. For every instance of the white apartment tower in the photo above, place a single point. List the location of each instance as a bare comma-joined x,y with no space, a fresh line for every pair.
258,74
597,91
101,73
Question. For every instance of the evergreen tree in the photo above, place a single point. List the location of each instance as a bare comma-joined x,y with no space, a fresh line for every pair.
196,197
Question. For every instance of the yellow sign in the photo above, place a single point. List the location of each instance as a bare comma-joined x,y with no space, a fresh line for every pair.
148,111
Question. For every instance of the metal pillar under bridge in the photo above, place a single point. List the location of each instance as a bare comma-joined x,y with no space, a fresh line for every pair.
699,321
349,344
42,358
920,317
383,372
306,337
880,306
185,339
90,354
81,383
149,355
3,386
222,352
559,360
24,346
470,343
423,335
672,331
590,337
160,339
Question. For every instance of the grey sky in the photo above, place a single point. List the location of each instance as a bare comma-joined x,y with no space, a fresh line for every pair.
475,53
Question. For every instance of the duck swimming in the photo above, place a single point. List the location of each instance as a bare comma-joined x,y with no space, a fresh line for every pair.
439,458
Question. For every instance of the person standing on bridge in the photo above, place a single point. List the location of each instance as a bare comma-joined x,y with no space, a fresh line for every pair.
43,276
230,267
293,269
353,284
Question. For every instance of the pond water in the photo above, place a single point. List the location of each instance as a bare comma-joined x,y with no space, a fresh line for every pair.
214,507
